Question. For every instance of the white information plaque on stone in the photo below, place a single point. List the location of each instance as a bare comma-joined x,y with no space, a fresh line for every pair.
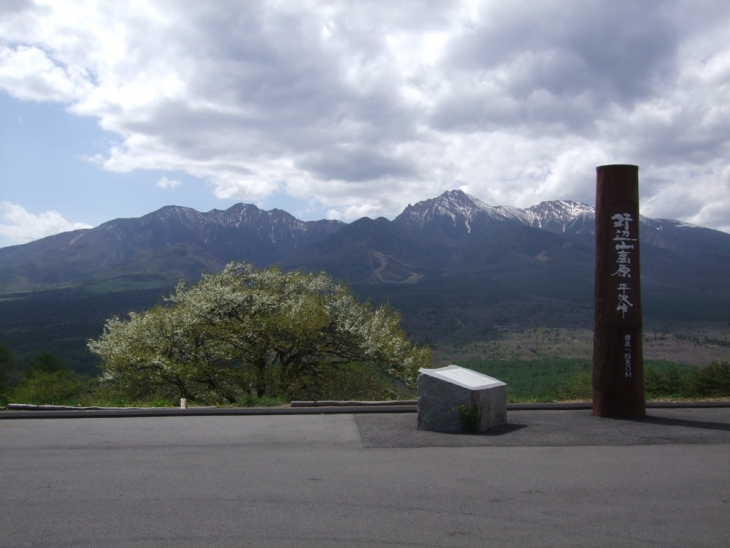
470,379
457,400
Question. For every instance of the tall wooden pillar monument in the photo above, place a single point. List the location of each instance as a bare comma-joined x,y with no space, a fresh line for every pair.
618,363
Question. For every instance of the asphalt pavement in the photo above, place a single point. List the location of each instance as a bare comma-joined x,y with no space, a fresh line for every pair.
547,478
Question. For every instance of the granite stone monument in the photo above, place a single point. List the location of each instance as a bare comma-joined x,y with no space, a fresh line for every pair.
457,400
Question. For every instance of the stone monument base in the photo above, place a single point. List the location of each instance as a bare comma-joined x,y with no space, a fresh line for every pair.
457,400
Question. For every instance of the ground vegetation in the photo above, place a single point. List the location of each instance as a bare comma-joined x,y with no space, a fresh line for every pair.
570,379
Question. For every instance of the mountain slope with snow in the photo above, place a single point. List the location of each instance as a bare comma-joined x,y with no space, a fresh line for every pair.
454,234
462,212
169,243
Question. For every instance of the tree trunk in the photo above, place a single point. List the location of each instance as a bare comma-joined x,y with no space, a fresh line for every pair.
260,371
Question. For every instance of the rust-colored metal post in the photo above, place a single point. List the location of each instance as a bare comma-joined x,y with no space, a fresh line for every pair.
618,361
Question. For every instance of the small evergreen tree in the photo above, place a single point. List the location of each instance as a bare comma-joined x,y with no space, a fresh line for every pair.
46,362
48,381
711,382
9,373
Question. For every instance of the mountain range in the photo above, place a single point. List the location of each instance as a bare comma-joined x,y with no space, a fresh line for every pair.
456,268
454,235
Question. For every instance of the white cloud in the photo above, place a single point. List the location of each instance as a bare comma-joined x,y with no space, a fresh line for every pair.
362,108
17,226
28,73
165,184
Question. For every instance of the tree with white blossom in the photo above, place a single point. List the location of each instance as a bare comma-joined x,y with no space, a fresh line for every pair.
268,331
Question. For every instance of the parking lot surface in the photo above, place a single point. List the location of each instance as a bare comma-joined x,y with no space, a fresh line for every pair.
548,478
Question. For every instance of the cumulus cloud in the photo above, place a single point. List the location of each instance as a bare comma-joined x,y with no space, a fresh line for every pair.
363,108
28,73
165,184
17,226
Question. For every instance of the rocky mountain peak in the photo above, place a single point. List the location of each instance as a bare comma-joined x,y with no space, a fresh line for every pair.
238,216
562,216
455,208
175,215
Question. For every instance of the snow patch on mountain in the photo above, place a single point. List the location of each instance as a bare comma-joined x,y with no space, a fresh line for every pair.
666,224
562,216
463,209
460,207
273,226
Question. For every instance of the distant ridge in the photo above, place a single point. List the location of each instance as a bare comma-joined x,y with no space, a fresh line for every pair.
452,235
164,245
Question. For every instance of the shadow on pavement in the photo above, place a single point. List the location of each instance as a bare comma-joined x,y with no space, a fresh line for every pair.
683,422
502,430
555,428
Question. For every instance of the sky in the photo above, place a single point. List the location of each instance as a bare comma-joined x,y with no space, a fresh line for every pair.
348,109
